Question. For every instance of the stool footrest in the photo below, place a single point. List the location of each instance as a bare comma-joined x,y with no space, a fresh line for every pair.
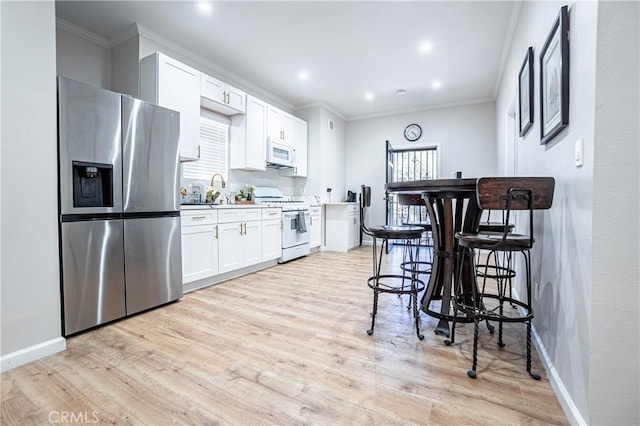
407,288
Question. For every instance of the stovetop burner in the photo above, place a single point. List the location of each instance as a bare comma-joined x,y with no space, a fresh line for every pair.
273,197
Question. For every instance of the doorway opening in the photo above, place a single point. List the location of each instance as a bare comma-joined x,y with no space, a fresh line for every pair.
404,165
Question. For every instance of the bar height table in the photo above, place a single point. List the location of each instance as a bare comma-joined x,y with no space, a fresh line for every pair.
452,206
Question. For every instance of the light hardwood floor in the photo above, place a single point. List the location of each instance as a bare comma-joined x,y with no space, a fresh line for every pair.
286,345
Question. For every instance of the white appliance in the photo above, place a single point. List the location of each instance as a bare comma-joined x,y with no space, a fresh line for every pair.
279,156
295,222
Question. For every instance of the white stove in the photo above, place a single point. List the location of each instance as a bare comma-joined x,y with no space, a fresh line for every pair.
295,221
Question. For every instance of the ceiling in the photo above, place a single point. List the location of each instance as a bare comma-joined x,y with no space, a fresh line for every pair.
348,48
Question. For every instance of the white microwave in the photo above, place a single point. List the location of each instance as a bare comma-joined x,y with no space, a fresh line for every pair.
279,155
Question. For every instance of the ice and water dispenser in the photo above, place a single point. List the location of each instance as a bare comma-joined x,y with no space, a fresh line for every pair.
92,184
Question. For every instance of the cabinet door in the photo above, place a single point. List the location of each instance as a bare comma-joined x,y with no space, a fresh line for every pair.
286,122
279,125
300,145
212,88
315,233
229,247
252,243
271,239
248,137
274,124
221,97
236,99
256,138
179,90
199,252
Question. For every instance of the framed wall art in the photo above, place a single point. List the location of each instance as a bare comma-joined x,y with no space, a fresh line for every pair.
525,93
554,79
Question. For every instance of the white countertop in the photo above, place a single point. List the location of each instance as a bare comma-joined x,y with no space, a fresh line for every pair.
222,206
340,203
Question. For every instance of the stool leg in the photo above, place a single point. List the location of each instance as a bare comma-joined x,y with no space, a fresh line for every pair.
472,373
501,294
414,288
527,262
376,274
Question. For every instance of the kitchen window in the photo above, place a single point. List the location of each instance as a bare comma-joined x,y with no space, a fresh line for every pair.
214,148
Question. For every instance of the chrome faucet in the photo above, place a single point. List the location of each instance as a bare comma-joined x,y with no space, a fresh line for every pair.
221,178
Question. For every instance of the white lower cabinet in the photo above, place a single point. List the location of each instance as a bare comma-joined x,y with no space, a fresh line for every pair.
342,221
199,245
271,233
315,228
240,238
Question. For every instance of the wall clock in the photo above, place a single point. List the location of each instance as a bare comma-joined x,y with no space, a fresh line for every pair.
413,132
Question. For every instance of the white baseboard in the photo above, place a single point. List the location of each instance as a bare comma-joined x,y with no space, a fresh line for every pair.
566,402
569,408
32,353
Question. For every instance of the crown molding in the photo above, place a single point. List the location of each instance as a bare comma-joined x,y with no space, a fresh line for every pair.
82,33
508,41
127,34
324,105
423,108
221,72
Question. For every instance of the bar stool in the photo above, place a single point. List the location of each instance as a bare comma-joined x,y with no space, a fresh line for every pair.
507,194
387,283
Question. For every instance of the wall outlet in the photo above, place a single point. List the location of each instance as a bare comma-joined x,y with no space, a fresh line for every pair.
579,153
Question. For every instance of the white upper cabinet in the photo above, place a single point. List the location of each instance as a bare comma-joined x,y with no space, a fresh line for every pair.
300,145
220,97
174,85
279,126
248,139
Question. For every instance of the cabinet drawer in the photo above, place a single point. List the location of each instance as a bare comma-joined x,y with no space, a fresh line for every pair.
198,217
239,215
271,213
314,210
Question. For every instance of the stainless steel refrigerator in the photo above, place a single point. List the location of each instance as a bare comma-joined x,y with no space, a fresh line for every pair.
119,205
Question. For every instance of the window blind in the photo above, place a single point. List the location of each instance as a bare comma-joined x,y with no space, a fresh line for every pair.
214,142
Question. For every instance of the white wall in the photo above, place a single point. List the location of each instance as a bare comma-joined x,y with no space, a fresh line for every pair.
125,66
82,60
565,292
30,305
326,154
465,136
614,354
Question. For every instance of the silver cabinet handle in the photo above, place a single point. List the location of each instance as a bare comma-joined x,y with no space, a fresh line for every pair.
198,217
216,232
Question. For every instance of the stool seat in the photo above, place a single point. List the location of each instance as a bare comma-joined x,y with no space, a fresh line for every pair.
485,240
395,232
426,226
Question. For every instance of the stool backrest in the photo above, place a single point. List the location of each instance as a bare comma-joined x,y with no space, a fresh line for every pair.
365,202
515,193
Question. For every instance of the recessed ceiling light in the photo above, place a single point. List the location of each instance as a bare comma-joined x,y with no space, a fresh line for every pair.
401,91
303,75
426,47
369,96
436,84
204,8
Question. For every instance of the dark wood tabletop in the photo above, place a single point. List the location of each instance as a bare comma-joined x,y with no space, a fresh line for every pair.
432,185
448,214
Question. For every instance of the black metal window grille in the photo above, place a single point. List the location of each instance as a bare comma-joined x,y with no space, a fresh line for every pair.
406,165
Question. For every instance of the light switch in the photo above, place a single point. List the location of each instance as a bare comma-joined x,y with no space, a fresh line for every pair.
579,153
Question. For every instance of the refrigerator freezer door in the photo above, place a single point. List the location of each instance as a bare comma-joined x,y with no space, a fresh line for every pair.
88,131
150,157
153,254
93,273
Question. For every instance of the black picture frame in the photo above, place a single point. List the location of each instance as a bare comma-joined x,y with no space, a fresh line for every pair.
554,79
525,93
